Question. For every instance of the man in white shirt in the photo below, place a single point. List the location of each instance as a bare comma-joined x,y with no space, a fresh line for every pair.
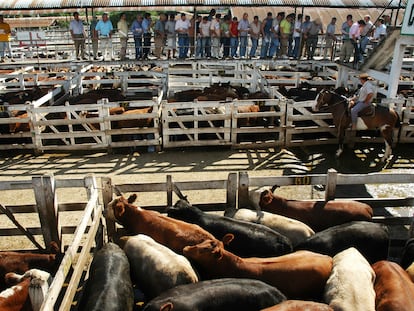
355,35
78,35
215,36
181,27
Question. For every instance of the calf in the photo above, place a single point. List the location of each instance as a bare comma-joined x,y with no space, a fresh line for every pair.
249,239
154,267
293,229
393,287
38,288
22,262
16,298
351,283
173,233
318,215
109,285
298,305
221,294
370,239
299,275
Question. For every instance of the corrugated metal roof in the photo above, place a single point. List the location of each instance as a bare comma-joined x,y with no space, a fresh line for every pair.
64,4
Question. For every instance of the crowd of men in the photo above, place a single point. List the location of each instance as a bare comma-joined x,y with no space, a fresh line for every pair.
213,36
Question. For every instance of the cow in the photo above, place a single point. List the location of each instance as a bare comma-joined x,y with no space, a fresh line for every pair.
154,267
299,305
109,285
250,240
407,256
410,271
170,232
351,283
370,239
293,229
38,286
299,275
393,287
16,298
220,294
319,215
22,262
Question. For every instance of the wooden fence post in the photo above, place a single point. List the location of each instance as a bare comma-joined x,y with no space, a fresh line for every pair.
331,180
231,191
47,207
106,184
243,189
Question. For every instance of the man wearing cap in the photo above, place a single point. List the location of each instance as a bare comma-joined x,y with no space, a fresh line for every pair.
364,98
4,37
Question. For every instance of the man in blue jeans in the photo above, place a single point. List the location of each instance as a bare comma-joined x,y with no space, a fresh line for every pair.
181,27
364,99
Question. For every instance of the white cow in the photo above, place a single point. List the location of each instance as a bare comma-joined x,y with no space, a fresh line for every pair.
154,267
351,283
293,229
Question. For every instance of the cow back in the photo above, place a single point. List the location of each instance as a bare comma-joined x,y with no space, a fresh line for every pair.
370,239
250,240
109,285
393,287
154,267
220,294
351,283
298,305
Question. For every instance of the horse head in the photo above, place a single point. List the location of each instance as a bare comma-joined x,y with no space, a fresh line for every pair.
321,100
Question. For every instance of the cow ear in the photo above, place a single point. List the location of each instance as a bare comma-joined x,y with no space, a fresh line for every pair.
132,198
120,209
167,307
227,238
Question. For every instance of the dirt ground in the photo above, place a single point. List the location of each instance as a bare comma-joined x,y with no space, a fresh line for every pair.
200,164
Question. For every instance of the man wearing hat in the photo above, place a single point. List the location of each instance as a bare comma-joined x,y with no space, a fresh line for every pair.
364,98
4,37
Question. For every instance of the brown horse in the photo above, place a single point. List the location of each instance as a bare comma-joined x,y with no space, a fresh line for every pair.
384,119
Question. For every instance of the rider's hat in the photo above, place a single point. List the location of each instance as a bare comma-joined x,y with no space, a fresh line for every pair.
364,76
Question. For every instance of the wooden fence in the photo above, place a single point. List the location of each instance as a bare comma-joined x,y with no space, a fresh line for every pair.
77,227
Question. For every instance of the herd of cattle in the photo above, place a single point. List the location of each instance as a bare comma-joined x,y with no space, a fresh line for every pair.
278,254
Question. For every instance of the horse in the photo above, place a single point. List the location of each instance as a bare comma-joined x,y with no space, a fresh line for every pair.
385,119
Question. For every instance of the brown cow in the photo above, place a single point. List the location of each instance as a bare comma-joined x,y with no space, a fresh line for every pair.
175,234
22,262
298,305
129,123
16,298
393,287
318,215
299,275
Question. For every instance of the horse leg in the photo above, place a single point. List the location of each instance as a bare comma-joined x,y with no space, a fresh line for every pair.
386,132
341,134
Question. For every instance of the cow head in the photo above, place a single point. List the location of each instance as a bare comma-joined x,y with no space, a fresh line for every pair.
206,251
116,208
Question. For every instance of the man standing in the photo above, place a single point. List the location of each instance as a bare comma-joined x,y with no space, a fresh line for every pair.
78,36
347,46
254,31
159,35
123,36
243,31
266,31
94,36
181,27
137,31
4,37
366,33
215,31
330,38
146,27
105,29
312,41
204,32
285,30
171,37
355,36
297,34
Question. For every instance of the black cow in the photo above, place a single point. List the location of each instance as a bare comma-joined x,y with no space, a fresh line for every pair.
219,294
109,285
407,256
370,239
250,239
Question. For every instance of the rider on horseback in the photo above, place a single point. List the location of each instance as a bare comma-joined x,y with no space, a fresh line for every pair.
364,98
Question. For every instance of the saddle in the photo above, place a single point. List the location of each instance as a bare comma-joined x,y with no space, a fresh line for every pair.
368,111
